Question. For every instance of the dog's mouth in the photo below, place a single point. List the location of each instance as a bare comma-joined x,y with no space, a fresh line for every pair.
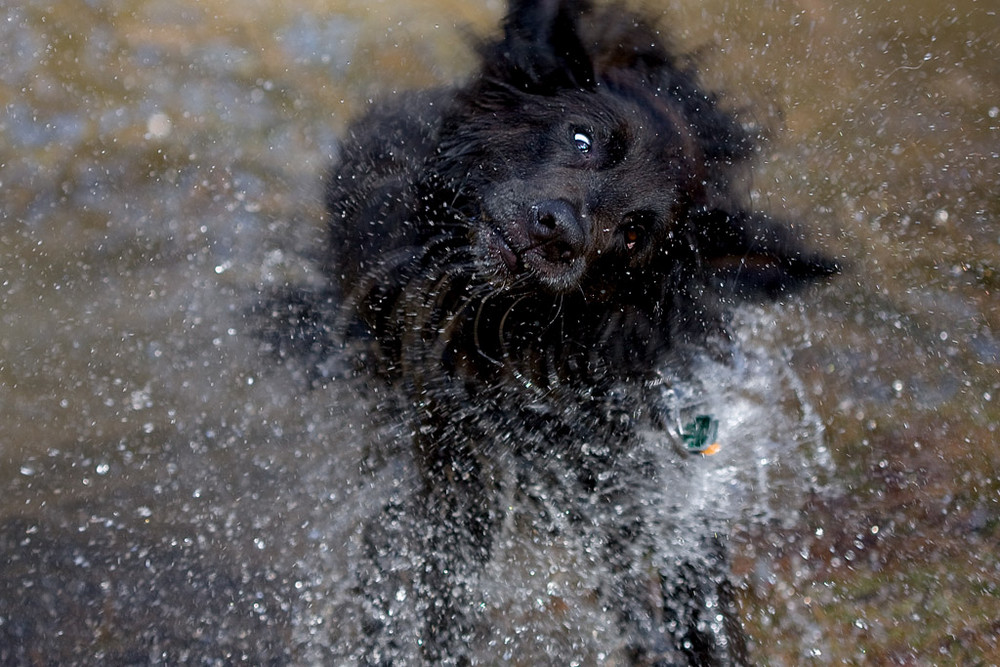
500,248
556,268
552,264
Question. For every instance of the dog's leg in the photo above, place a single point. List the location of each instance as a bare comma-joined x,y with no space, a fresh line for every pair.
706,608
679,612
387,579
700,619
463,524
422,557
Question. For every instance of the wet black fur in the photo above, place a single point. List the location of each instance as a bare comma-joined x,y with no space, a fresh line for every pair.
516,261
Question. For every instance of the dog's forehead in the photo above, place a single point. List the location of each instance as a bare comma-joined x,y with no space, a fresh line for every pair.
646,118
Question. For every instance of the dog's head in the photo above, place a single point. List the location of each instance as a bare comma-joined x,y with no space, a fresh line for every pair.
589,161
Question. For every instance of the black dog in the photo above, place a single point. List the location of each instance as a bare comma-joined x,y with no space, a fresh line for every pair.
524,265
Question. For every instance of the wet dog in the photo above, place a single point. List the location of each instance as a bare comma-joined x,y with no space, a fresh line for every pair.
523,264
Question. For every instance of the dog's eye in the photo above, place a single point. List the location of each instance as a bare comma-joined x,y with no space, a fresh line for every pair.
634,229
582,141
632,235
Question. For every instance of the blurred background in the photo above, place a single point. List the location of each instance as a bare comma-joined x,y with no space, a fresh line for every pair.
160,165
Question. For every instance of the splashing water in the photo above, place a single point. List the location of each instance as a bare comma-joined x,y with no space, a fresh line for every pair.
542,596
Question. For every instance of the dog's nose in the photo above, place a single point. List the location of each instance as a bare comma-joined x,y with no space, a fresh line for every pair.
557,230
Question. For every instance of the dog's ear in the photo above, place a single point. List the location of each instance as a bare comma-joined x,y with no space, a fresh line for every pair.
541,48
750,253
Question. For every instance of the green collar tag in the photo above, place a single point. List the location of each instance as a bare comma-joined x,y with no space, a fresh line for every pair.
701,435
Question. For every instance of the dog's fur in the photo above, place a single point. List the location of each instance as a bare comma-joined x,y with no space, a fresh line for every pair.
517,261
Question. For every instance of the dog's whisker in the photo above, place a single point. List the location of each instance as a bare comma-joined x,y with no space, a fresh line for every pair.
476,336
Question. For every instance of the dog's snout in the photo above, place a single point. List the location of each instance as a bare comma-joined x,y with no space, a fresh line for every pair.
558,230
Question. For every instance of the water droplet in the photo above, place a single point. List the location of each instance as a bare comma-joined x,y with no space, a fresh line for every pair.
158,126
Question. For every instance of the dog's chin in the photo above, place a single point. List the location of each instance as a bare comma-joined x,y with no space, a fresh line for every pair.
505,266
558,277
